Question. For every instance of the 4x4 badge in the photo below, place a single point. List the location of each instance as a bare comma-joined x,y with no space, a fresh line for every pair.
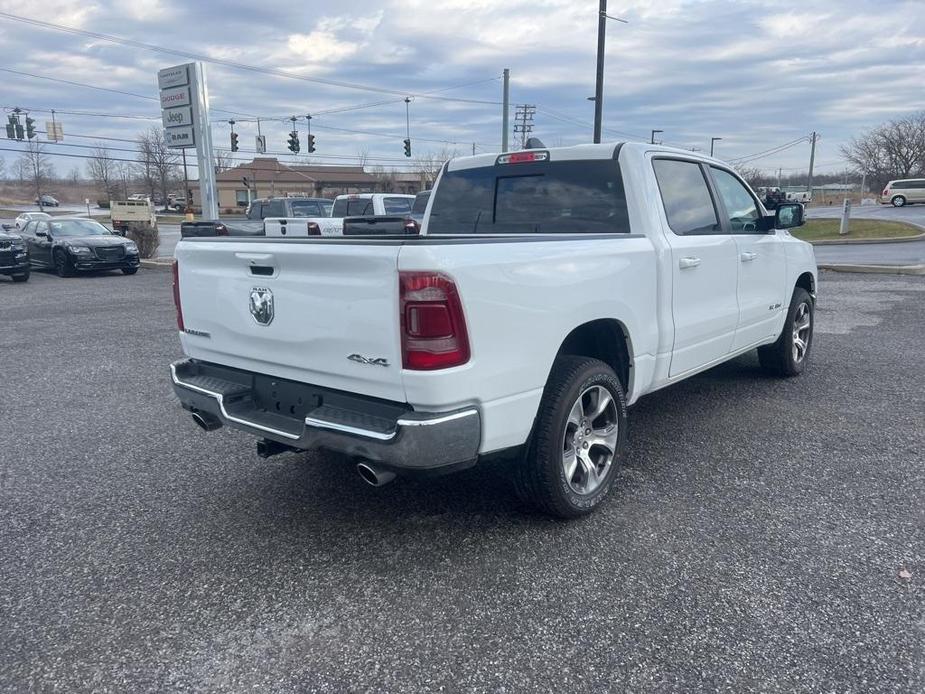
261,305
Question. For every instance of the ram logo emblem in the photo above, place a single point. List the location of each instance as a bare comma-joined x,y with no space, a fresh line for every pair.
261,305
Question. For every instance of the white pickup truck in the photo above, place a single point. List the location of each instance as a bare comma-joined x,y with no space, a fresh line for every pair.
548,290
352,205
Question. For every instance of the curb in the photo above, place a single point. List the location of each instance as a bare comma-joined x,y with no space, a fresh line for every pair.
849,242
876,269
158,263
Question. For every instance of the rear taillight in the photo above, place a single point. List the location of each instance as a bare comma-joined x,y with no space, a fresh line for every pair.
314,229
886,192
176,296
221,230
433,327
410,226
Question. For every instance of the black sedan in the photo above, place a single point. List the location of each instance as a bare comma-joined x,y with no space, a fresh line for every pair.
74,244
14,257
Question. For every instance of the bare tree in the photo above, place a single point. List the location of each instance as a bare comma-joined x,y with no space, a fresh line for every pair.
363,156
428,165
102,170
35,168
156,161
224,160
2,168
74,176
386,180
754,176
895,149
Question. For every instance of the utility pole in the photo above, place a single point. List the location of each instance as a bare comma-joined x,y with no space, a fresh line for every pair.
505,108
598,98
525,115
778,177
652,137
599,81
473,149
713,140
812,161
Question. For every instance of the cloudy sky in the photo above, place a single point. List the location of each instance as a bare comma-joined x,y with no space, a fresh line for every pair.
758,74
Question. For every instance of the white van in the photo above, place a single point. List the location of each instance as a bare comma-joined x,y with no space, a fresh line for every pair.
903,192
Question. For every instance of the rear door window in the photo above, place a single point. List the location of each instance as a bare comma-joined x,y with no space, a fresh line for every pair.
255,210
686,197
536,197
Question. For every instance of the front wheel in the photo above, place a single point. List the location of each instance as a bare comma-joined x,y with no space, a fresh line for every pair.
790,353
578,441
899,201
129,270
63,265
22,277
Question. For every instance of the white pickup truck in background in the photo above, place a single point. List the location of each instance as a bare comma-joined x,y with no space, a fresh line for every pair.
353,205
549,289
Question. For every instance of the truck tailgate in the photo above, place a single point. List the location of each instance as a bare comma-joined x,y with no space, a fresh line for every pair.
317,312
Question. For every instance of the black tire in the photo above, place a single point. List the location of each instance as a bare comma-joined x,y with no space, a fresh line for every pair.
899,201
63,265
129,270
22,277
540,479
779,358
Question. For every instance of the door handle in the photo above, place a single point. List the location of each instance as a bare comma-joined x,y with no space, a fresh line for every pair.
748,256
687,262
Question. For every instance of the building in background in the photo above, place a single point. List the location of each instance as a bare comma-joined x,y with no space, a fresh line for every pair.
267,177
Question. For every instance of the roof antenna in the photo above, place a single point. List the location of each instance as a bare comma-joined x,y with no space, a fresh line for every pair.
534,143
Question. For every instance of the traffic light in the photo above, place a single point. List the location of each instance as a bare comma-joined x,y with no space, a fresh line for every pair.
11,127
294,142
234,142
407,142
311,143
30,127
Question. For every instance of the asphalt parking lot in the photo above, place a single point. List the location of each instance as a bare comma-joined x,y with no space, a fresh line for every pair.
765,535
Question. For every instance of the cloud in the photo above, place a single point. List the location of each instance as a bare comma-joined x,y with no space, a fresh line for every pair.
755,72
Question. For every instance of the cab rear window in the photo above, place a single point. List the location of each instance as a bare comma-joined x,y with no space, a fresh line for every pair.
535,197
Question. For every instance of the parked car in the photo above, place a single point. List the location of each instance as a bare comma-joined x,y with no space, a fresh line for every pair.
905,191
354,205
46,201
27,217
76,244
257,211
14,257
549,290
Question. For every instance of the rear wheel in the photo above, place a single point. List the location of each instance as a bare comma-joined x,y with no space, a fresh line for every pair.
899,201
63,265
579,439
22,277
790,353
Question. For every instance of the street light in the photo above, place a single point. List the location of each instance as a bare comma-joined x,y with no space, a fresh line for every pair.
713,140
652,137
599,83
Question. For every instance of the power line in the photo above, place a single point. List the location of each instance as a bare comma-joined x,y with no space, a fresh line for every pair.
231,63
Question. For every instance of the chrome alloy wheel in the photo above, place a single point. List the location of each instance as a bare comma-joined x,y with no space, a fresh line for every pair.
590,440
801,332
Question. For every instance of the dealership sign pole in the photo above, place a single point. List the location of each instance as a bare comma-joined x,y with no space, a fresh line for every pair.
185,114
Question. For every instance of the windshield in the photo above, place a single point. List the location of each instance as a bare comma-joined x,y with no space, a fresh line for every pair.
77,227
534,197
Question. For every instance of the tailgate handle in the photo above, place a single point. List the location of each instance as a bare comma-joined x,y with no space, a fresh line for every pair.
262,270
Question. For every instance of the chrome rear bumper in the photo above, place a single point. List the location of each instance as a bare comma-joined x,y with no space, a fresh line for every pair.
389,434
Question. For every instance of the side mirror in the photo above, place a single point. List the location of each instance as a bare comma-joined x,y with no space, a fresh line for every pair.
788,215
7,227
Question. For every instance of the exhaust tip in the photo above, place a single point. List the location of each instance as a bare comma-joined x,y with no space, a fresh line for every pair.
377,477
206,422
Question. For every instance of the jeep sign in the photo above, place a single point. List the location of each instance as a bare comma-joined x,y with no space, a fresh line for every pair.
176,117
